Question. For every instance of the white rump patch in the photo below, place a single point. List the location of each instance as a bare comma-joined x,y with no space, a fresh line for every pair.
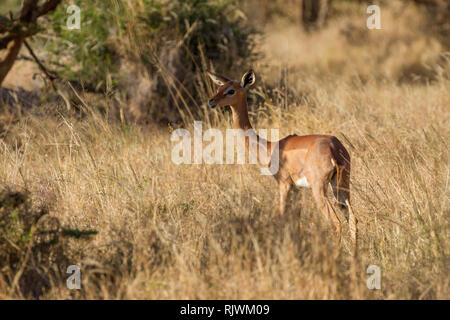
302,182
332,163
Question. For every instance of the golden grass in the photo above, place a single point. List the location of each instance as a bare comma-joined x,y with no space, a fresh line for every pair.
211,231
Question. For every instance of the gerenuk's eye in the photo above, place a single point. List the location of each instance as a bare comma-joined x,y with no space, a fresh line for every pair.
230,92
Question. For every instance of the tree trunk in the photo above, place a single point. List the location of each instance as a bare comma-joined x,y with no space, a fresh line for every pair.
8,58
313,13
29,13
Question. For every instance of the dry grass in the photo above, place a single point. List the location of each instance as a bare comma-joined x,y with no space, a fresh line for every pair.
211,231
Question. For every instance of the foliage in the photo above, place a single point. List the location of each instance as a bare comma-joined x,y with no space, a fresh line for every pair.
165,42
30,246
168,231
84,55
214,26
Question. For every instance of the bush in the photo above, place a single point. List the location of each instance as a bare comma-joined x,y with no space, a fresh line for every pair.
25,258
84,55
153,51
32,257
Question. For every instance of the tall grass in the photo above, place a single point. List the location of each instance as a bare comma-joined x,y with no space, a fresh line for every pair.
143,52
211,231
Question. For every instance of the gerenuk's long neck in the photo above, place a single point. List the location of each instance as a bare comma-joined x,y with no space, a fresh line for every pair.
240,115
241,121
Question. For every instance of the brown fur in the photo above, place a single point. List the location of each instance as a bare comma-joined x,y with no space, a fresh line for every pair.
322,159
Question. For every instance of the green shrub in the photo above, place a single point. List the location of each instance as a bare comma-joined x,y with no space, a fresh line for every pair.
22,255
166,44
84,55
32,254
216,27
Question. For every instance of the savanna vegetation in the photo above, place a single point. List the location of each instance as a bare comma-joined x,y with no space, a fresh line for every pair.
86,176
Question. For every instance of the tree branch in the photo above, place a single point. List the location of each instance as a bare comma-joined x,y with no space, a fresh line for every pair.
48,6
28,11
19,30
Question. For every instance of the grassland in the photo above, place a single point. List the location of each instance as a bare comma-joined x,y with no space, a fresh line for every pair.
211,231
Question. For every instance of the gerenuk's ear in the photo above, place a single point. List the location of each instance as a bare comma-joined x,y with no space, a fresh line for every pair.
248,79
217,79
